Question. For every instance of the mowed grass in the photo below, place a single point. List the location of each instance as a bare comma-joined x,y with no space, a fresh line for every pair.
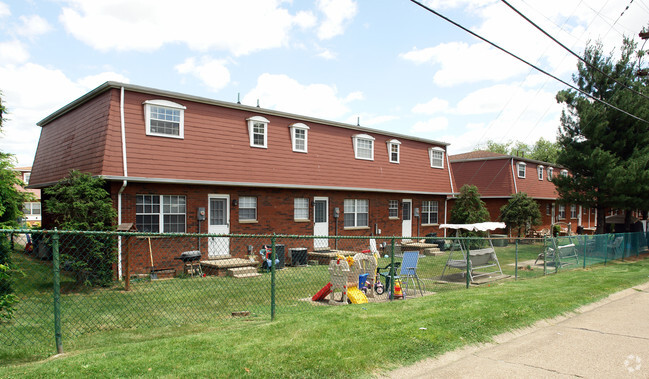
344,341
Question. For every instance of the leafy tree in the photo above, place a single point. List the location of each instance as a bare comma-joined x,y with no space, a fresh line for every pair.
542,150
81,202
520,212
606,151
468,208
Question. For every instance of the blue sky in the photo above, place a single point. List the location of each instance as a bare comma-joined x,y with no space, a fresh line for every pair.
389,63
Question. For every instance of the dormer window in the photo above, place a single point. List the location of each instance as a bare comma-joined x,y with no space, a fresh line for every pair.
393,150
164,118
363,147
550,172
521,169
436,155
539,170
258,131
564,173
299,137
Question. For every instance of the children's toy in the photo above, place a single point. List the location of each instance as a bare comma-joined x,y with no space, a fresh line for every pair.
266,254
356,296
326,290
364,264
339,270
398,293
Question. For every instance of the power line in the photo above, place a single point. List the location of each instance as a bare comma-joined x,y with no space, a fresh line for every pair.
527,63
572,52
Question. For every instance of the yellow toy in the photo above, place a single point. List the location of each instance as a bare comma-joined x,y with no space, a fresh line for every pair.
356,296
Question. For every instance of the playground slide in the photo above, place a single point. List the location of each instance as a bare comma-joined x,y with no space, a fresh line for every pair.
326,290
356,296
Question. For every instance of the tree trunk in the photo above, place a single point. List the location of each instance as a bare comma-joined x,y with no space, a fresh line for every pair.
627,220
601,220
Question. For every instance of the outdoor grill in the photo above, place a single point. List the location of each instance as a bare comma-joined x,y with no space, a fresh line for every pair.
190,258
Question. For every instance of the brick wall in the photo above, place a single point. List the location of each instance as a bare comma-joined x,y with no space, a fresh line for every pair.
275,210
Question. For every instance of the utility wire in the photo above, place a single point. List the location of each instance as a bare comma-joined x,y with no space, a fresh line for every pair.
572,52
526,62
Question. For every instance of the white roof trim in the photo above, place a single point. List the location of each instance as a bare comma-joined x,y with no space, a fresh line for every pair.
164,103
258,118
299,125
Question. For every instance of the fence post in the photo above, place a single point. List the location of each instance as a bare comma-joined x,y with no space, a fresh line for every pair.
127,280
585,243
391,289
605,252
468,263
11,243
272,279
516,261
57,291
545,256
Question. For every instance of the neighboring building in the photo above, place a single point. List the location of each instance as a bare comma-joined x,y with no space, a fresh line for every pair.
168,156
498,176
32,209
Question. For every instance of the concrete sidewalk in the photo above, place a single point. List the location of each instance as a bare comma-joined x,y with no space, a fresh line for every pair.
607,339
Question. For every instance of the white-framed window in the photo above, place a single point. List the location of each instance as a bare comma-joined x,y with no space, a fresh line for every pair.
160,213
357,213
573,211
521,169
548,210
550,173
164,118
247,208
258,131
26,177
300,208
394,147
436,155
564,172
299,137
429,211
562,211
539,171
393,208
363,146
32,208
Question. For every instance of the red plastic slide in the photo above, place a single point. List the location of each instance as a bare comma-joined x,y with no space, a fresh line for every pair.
326,290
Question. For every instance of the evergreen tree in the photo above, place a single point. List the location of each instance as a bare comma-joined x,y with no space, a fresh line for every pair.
520,213
606,151
468,208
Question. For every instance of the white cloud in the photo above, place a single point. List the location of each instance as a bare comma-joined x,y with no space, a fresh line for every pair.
30,93
13,52
461,63
435,105
432,125
337,14
357,95
93,81
32,26
327,54
285,94
4,10
305,20
212,72
240,27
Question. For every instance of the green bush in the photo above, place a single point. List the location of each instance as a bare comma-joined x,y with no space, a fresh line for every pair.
7,298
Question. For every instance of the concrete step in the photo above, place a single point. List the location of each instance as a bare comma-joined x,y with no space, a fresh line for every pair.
250,275
234,271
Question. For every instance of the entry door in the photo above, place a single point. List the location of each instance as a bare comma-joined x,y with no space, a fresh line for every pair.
406,223
321,222
219,223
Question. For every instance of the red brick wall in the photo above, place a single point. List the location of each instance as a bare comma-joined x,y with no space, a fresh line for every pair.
274,215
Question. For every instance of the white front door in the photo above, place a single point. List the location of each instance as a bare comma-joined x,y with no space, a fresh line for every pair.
321,222
406,223
219,223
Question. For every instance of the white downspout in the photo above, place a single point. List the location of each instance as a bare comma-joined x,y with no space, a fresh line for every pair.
450,179
124,183
514,177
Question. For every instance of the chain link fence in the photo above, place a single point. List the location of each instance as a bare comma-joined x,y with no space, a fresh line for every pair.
67,284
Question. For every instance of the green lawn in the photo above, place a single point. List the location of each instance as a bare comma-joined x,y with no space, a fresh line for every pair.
353,340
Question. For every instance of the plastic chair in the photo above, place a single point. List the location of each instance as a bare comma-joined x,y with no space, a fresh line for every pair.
409,269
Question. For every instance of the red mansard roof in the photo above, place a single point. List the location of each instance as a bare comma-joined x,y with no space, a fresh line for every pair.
496,175
215,150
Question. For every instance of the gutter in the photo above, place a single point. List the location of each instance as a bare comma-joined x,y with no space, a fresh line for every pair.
124,182
514,175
